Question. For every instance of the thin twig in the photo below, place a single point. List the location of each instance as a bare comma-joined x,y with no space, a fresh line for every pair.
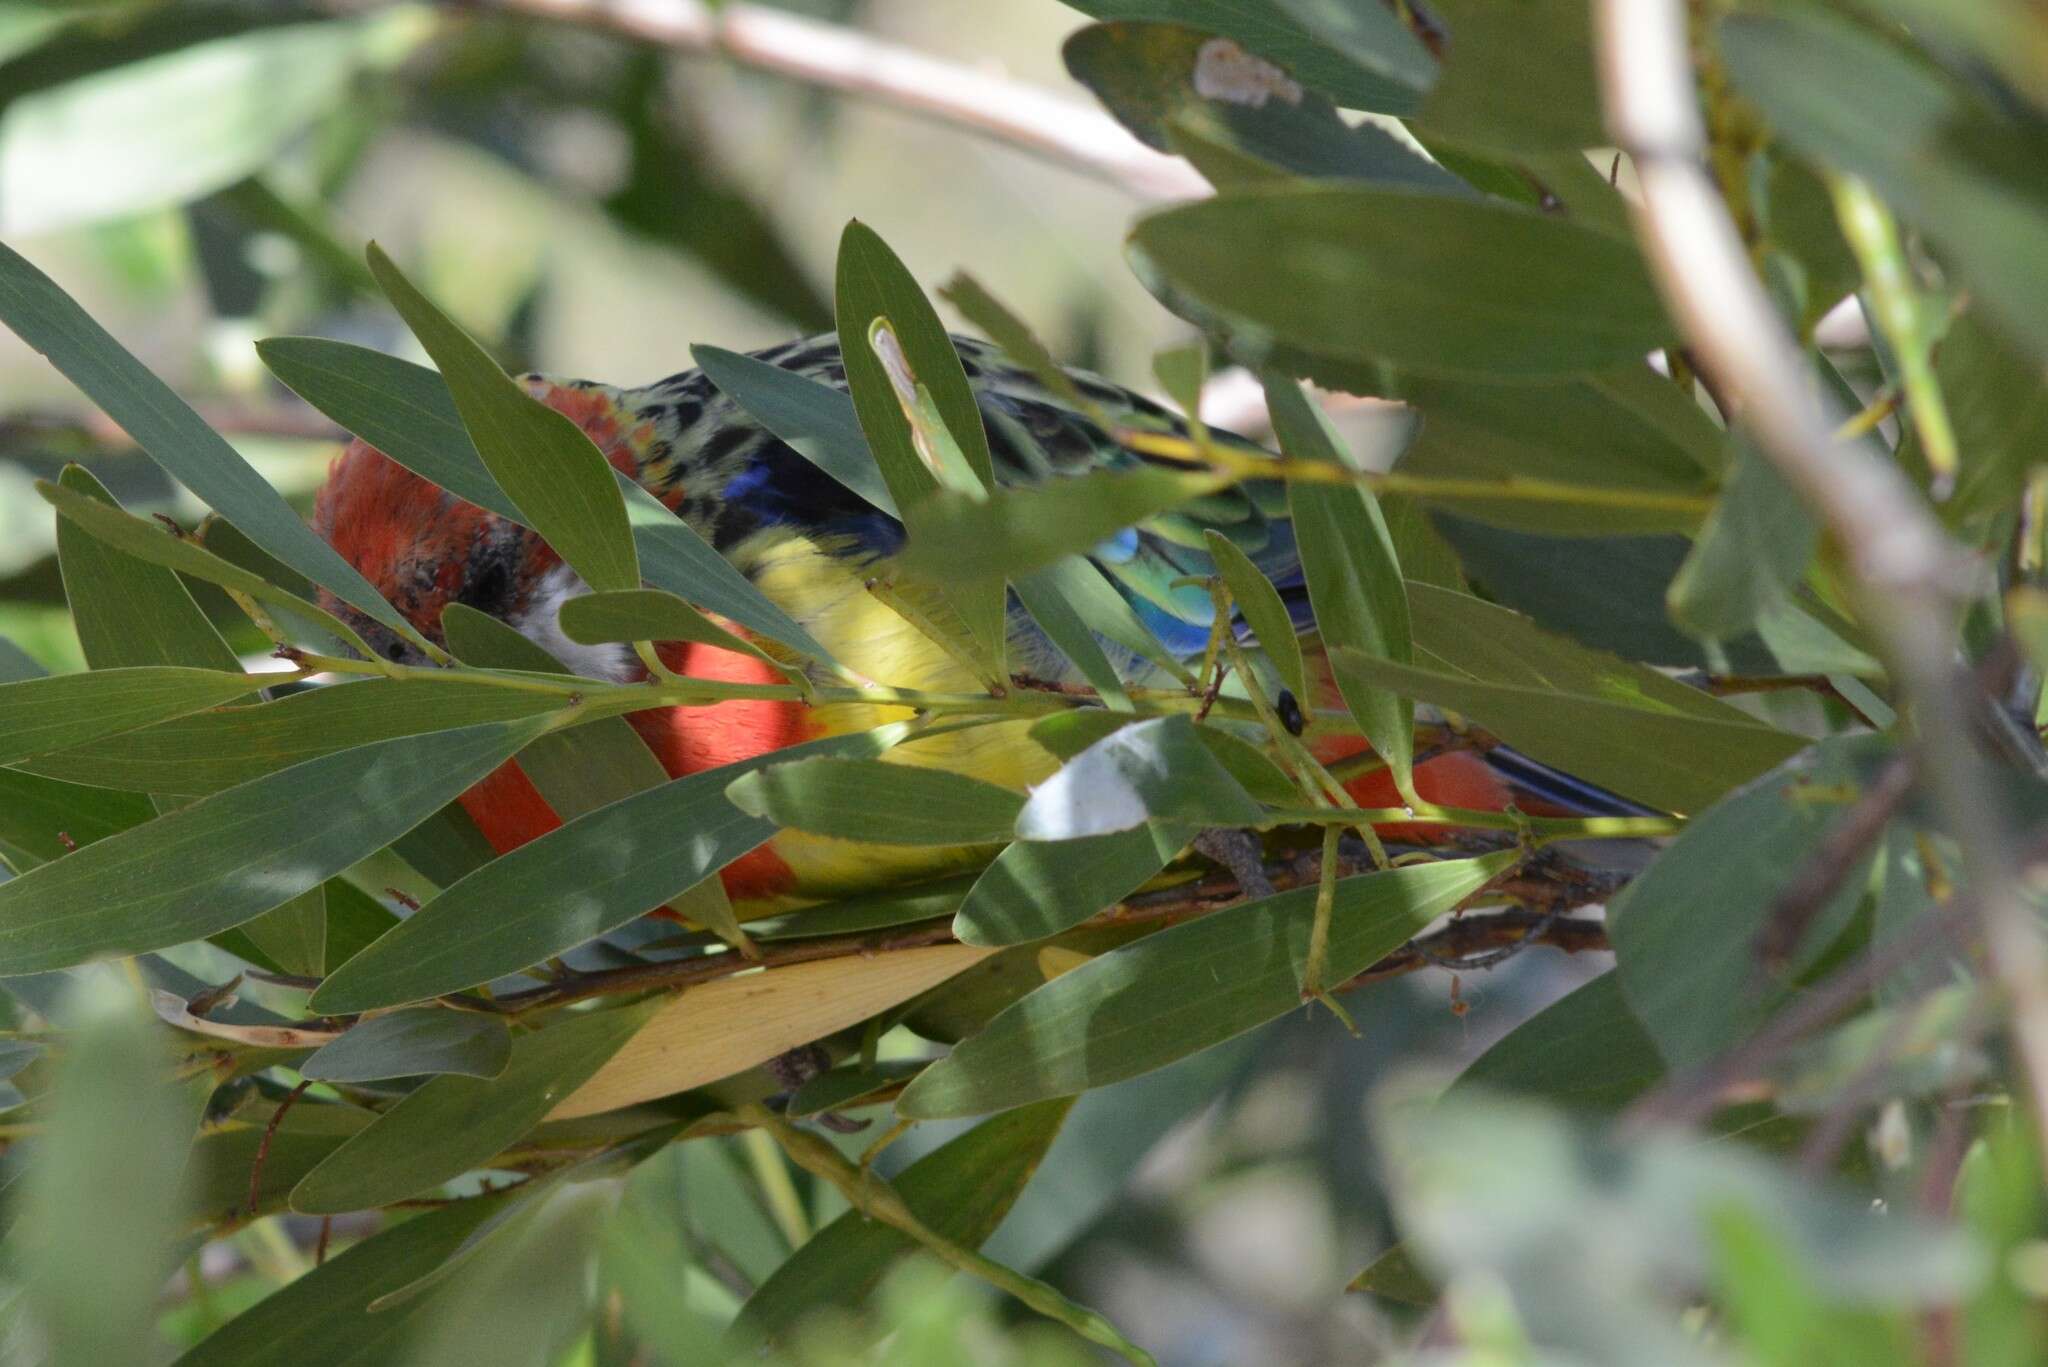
263,1145
1694,1094
853,63
1908,575
1840,850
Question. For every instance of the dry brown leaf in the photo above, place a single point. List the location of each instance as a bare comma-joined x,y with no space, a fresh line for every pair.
722,1027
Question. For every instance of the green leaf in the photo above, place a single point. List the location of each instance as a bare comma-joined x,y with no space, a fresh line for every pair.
406,411
1263,611
1156,770
875,283
1776,1312
169,128
1967,174
576,770
588,766
173,435
454,1123
647,615
1685,931
1752,551
1037,888
961,1191
816,420
1015,337
1357,63
879,304
1586,1050
1445,286
41,715
1183,989
37,815
1354,582
1169,84
848,1085
293,936
1608,592
354,918
1627,728
154,544
127,611
873,800
1517,76
232,856
210,751
414,1043
322,1319
551,470
1646,457
1375,39
101,1204
1016,531
2010,34
1999,408
1043,595
582,880
1067,734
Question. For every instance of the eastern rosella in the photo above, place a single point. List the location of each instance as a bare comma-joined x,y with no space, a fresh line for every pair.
807,542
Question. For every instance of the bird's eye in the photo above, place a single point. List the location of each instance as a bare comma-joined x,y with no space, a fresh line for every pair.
396,650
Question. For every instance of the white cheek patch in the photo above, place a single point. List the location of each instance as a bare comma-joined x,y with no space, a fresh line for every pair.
540,625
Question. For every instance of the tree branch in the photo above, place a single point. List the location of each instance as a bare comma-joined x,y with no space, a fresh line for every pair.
1909,577
836,58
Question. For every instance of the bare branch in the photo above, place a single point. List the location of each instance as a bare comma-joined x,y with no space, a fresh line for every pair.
854,63
1908,575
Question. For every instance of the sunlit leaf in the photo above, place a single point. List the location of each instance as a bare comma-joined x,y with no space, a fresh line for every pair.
1039,888
1154,770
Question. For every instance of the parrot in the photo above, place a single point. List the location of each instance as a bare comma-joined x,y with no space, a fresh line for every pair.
809,544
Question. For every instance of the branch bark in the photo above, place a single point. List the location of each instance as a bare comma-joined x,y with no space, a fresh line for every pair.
1909,577
836,58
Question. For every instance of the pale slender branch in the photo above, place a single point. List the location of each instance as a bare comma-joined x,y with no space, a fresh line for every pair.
854,63
1909,577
